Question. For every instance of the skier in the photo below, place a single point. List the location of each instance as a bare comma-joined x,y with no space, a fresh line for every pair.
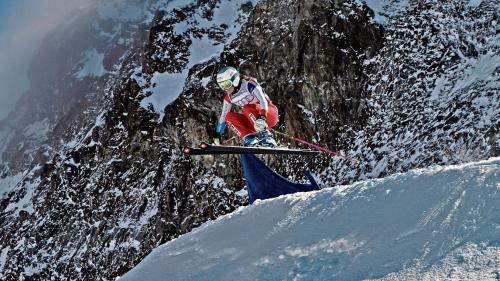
259,114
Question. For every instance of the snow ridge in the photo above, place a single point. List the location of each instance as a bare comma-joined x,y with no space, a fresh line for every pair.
439,221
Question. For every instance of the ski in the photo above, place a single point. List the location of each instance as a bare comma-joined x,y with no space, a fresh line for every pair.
208,149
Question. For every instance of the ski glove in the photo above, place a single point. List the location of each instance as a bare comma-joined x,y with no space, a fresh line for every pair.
260,123
217,139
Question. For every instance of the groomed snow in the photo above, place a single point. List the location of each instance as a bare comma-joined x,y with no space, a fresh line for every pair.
440,222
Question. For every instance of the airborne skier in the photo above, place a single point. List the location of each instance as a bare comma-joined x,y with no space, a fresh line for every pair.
258,115
253,124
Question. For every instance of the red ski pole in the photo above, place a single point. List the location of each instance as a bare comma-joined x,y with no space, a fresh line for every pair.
315,146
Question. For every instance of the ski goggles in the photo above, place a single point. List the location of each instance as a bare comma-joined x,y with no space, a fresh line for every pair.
224,85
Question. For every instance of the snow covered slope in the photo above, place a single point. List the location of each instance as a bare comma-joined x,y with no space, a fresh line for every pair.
435,223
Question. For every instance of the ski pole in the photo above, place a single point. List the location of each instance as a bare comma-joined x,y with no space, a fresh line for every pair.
228,140
231,139
312,145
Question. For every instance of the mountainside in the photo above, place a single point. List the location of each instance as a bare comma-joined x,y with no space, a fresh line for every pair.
110,183
439,223
433,91
91,174
71,77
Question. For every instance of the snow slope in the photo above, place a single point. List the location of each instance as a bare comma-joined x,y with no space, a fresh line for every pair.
428,224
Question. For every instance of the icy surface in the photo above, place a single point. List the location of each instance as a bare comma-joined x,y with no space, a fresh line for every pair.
167,87
440,221
9,182
3,257
26,202
383,9
119,11
91,65
474,3
38,130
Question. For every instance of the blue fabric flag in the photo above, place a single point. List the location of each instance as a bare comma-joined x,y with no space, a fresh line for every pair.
264,183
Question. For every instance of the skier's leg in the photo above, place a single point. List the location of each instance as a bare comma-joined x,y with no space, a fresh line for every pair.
272,115
251,111
240,124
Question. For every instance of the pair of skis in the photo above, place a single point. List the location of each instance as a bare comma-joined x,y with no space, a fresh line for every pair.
208,149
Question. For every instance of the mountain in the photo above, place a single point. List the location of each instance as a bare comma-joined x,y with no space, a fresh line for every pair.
438,223
433,90
92,178
102,157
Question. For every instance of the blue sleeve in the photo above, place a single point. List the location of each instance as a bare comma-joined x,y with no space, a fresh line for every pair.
226,108
221,127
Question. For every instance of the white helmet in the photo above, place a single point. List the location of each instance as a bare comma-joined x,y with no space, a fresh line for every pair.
228,77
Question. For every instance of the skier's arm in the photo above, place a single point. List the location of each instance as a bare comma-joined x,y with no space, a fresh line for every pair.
261,122
257,90
221,125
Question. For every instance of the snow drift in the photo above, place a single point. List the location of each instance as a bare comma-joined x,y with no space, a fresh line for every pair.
440,222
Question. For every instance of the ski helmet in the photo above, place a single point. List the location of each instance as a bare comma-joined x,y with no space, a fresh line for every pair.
228,77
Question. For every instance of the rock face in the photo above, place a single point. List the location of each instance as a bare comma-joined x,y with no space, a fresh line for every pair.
112,184
433,91
107,182
309,57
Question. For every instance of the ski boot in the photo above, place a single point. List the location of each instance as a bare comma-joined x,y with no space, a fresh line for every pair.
266,139
250,140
